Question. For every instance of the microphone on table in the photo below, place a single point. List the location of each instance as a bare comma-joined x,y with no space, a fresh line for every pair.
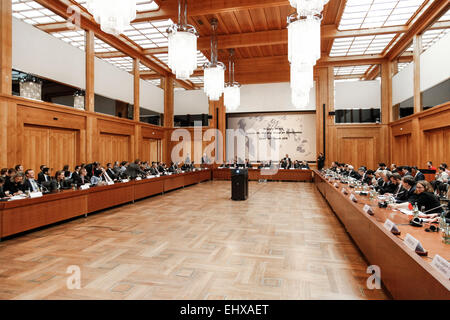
441,206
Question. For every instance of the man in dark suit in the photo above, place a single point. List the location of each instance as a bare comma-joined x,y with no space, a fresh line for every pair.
418,176
43,176
409,190
2,193
286,162
30,183
134,169
352,173
82,178
110,172
76,174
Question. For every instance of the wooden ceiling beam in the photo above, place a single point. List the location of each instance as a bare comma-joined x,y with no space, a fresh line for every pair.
431,14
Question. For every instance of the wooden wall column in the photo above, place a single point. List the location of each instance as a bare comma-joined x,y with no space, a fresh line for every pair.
325,95
387,111
5,46
168,115
136,114
218,111
91,121
417,43
7,112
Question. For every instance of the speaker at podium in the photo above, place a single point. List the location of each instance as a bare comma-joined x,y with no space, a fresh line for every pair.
239,184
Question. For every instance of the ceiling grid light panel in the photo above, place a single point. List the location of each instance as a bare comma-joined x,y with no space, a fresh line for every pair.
141,5
33,13
351,70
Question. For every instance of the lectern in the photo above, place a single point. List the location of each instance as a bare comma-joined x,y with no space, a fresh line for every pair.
239,184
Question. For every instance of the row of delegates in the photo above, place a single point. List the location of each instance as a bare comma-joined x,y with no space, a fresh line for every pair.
420,194
286,163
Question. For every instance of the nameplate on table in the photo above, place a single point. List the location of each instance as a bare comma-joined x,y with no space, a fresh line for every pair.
220,168
110,183
149,177
368,209
305,169
138,178
158,175
413,243
391,227
336,185
441,265
182,171
291,168
84,187
35,195
353,198
169,173
344,191
125,180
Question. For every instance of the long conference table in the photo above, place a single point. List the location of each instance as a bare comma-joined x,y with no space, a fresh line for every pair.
404,273
27,214
264,174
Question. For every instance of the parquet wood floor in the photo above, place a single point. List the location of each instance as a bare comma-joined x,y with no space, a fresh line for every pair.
194,243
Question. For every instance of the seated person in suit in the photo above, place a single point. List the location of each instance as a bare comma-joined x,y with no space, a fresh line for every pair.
3,172
417,175
2,193
406,171
362,174
286,162
425,200
30,183
82,178
304,165
67,173
76,174
247,164
16,186
162,167
61,182
110,172
19,168
43,176
396,182
369,177
384,184
393,168
154,169
10,173
116,168
409,190
352,173
334,166
381,166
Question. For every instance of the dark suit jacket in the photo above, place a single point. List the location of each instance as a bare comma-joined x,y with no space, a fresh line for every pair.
75,176
419,176
79,180
63,184
15,187
407,195
134,170
354,174
28,186
41,178
110,172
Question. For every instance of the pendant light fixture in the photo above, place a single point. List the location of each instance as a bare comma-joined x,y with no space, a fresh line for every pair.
114,16
232,95
214,71
304,48
182,45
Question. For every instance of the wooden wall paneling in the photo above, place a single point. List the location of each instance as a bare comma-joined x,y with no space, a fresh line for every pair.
50,118
168,102
386,93
90,69
324,95
402,149
63,149
417,51
35,147
8,133
113,147
92,139
417,140
5,47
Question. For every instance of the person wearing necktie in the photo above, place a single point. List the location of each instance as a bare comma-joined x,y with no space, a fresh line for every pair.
30,183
